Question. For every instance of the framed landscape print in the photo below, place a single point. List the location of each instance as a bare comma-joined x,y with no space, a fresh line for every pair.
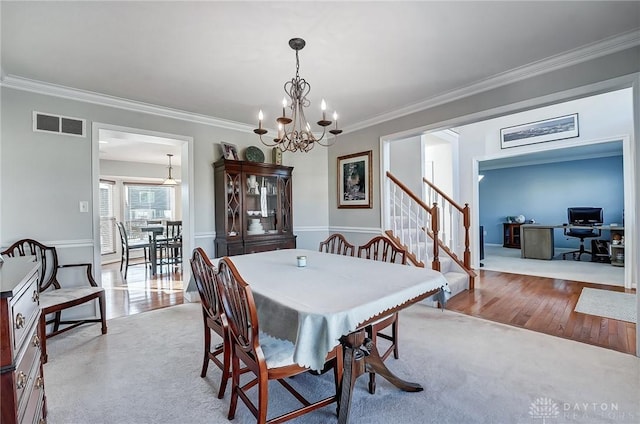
355,180
540,131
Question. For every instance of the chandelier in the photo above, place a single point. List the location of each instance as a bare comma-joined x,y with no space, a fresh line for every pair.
294,131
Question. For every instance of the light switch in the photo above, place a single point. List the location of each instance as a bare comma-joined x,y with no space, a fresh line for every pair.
84,206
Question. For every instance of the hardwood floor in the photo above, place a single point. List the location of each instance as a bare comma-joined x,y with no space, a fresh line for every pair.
539,304
545,305
141,292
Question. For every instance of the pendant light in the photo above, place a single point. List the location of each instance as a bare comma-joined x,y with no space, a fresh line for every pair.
170,181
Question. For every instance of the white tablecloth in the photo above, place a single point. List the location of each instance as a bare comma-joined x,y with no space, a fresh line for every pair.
315,305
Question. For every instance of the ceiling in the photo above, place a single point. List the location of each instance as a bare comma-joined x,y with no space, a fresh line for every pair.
226,60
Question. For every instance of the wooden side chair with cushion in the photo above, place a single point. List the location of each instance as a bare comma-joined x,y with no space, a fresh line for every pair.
336,243
204,275
54,298
381,248
127,246
266,357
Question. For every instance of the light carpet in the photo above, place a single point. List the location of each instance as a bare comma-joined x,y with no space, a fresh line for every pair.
608,304
147,370
502,259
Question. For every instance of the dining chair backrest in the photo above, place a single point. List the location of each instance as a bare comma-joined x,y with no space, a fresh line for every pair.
124,238
239,308
204,274
336,243
173,230
381,248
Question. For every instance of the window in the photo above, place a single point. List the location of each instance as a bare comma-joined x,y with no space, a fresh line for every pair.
144,202
107,218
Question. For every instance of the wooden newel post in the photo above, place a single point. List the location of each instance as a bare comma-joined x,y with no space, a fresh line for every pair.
435,227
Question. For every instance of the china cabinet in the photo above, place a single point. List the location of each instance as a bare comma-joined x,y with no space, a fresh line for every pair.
253,207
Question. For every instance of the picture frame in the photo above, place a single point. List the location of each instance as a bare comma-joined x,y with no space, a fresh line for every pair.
559,128
229,151
355,181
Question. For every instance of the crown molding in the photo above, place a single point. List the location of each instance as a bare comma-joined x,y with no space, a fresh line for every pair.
573,57
34,86
583,54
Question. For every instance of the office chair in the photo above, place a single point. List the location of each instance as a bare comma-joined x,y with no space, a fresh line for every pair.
588,219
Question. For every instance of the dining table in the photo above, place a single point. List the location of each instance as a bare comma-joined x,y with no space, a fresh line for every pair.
318,300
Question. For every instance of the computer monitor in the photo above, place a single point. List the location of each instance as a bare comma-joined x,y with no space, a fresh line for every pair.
585,216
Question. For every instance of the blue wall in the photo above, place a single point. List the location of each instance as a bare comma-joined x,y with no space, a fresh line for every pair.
544,192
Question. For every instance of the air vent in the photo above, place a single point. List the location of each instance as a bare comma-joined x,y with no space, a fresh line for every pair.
46,122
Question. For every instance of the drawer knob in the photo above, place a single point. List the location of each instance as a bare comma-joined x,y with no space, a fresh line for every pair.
20,321
39,382
35,341
36,296
21,381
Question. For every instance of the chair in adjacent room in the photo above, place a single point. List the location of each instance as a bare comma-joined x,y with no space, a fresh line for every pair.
53,296
588,218
127,246
266,357
169,245
381,248
336,243
204,275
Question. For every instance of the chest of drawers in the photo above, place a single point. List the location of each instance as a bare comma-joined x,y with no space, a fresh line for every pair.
21,376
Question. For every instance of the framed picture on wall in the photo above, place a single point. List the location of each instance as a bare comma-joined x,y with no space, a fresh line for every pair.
229,151
355,180
541,131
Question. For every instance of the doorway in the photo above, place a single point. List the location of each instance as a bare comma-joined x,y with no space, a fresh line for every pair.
148,150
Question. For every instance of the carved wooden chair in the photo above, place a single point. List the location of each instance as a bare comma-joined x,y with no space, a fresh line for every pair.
204,275
381,248
127,246
54,298
266,357
336,243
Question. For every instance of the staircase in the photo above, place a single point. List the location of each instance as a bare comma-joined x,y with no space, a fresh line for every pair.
435,235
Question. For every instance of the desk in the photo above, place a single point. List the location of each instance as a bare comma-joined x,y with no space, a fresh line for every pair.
537,240
154,231
330,301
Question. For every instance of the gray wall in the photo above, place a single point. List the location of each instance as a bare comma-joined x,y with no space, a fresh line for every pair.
44,176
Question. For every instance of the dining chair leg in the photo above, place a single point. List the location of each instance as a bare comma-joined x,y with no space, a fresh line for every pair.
226,365
235,386
207,349
103,314
42,331
263,398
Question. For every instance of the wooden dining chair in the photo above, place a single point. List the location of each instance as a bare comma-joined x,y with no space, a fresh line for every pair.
381,248
204,275
336,243
53,297
127,246
266,357
169,245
